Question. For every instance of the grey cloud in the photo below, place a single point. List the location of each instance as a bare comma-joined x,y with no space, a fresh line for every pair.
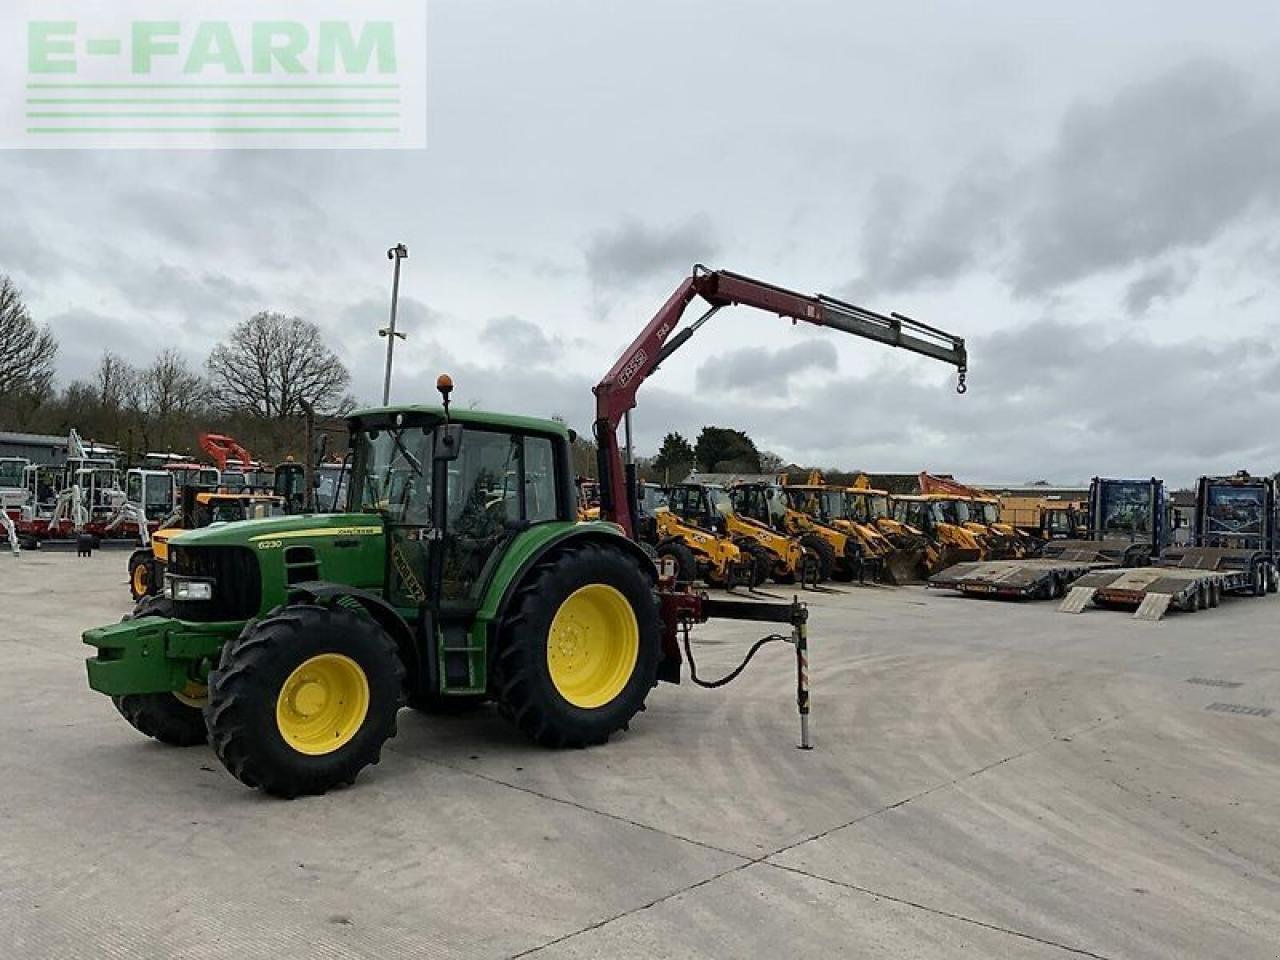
1161,282
373,313
520,341
83,335
750,368
966,226
1165,165
618,258
210,301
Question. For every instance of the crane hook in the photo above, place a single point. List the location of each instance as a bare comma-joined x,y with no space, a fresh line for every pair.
961,387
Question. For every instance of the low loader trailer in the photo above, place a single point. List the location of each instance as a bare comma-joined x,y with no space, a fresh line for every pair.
1120,512
1233,552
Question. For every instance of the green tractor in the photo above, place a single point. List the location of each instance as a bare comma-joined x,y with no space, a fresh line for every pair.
458,573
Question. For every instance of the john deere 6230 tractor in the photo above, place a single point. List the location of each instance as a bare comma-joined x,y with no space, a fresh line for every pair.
459,571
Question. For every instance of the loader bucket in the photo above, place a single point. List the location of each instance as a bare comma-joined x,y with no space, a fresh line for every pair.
905,565
949,555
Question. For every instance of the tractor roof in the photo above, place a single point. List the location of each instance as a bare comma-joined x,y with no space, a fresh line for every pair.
480,418
212,497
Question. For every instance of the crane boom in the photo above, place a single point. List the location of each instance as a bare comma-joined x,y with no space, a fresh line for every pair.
616,393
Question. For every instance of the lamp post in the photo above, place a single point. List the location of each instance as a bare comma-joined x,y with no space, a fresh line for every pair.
397,253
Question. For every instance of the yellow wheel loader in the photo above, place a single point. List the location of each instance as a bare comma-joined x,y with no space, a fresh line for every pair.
836,554
980,512
695,534
950,541
787,561
910,553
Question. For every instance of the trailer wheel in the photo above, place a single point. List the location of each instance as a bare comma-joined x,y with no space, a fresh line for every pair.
1215,593
579,647
304,699
1259,580
1272,580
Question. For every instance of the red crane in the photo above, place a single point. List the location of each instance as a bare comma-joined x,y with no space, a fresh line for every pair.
616,393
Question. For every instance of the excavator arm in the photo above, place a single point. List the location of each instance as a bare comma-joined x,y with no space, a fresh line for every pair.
221,448
954,488
616,393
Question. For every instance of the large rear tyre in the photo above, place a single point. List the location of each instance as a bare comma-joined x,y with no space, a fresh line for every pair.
579,648
304,699
171,718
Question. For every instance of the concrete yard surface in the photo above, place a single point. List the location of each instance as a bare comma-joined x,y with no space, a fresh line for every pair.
989,780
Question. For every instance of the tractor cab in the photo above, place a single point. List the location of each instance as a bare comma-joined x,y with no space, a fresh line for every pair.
152,491
703,505
452,497
924,513
1237,512
763,502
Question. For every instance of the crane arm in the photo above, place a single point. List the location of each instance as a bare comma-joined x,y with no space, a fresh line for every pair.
616,393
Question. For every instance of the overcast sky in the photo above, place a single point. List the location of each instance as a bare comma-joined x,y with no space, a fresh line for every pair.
1088,192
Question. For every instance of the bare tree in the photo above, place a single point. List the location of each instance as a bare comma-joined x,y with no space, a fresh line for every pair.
116,379
170,387
271,362
27,351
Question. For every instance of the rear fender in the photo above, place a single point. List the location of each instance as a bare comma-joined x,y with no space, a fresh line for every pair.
532,548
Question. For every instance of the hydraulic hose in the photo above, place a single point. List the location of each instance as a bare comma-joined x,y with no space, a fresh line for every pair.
736,672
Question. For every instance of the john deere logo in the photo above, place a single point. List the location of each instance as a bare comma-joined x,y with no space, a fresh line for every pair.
164,73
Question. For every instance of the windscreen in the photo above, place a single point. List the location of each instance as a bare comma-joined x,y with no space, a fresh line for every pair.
1235,515
392,471
11,473
720,501
329,496
1126,509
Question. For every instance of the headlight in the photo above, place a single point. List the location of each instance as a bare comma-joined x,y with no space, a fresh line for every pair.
180,589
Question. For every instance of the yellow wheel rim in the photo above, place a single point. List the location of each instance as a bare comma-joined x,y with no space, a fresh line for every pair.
593,646
193,694
139,579
322,704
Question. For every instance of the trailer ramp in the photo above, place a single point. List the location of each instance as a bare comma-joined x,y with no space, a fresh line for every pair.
1045,577
1152,591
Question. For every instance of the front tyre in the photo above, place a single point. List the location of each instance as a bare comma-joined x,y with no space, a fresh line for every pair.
142,575
579,648
304,699
171,718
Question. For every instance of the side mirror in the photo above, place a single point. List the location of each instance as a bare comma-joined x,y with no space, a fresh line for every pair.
448,442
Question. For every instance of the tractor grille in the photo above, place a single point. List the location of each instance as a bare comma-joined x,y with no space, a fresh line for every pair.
237,588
